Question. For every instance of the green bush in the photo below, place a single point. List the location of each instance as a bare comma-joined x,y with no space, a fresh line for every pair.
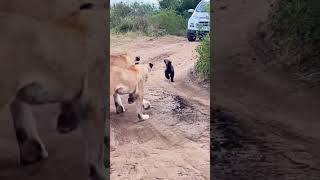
179,6
296,30
130,17
125,25
144,18
203,63
168,22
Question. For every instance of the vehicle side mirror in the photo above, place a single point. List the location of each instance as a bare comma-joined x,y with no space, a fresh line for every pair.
190,10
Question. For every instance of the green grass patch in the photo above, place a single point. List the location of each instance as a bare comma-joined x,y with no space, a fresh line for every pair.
203,63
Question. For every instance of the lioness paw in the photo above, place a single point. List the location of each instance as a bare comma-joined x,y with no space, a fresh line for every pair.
120,109
31,152
146,105
143,116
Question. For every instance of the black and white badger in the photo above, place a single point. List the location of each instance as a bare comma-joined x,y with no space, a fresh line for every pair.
137,60
169,72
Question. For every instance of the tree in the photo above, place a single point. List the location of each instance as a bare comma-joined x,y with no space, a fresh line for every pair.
180,6
169,4
188,4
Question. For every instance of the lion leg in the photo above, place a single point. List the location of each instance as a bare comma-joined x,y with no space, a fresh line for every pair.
118,103
92,126
67,119
139,104
31,147
146,104
131,98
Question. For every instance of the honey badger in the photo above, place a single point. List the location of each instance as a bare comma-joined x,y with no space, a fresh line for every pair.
169,72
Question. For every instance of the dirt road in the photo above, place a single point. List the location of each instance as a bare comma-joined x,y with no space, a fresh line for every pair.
266,125
174,142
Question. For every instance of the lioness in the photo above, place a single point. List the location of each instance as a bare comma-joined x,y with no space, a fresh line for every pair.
124,60
56,61
129,80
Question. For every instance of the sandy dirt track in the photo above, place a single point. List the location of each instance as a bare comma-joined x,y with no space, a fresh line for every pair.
174,142
266,123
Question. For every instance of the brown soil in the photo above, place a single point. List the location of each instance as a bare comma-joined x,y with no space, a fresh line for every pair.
174,142
267,123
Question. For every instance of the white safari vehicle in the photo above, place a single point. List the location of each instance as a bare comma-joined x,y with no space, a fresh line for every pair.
199,22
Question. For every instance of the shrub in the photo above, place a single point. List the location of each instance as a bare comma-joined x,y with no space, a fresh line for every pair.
296,27
203,63
180,6
125,25
130,17
138,17
168,22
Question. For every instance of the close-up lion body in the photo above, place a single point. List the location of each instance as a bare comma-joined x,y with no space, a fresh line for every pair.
121,60
58,60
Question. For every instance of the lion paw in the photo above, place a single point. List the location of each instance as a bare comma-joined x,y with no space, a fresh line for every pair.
147,106
143,116
31,152
120,109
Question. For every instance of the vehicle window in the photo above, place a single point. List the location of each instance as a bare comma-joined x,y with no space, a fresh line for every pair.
203,6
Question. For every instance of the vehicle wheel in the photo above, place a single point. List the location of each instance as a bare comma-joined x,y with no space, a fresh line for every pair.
191,38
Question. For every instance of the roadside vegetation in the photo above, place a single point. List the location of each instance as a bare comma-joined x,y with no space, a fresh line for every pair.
203,62
295,26
169,19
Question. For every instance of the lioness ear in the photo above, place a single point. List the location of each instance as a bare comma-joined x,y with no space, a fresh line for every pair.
150,65
86,6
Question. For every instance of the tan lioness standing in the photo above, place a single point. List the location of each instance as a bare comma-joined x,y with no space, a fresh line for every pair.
124,60
129,80
56,61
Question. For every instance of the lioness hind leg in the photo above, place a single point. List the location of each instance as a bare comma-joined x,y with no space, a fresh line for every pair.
68,120
131,98
31,147
118,103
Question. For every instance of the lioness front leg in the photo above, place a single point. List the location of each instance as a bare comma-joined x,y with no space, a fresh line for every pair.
139,104
31,147
92,126
133,97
